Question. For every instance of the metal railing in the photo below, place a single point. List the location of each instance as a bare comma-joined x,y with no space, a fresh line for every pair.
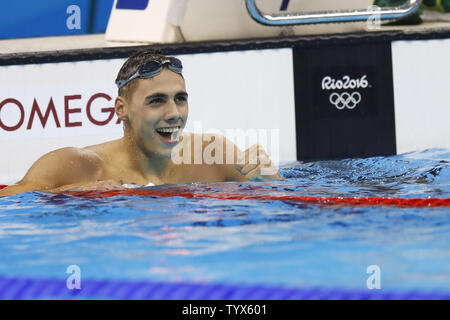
286,19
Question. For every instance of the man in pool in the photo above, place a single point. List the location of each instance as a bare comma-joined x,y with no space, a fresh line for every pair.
153,106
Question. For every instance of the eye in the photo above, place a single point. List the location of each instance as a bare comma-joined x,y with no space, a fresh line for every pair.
181,98
156,100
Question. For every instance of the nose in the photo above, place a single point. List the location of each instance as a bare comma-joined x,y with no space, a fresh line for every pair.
172,112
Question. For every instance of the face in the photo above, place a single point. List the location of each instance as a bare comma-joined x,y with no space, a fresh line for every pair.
157,112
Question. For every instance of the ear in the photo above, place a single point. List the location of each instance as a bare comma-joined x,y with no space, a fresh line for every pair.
121,108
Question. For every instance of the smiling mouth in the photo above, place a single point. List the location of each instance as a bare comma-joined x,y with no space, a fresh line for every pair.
170,134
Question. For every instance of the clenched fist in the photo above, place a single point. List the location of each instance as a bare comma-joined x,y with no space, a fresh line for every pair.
255,165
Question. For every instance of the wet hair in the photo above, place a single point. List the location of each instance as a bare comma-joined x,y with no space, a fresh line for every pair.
132,65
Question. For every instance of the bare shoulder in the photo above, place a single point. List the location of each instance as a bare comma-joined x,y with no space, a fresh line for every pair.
105,151
205,139
65,166
210,144
218,155
72,156
58,168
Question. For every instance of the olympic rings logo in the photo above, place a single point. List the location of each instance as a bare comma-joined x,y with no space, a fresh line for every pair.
345,100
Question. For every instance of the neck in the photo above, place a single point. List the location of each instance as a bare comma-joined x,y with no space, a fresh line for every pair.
149,165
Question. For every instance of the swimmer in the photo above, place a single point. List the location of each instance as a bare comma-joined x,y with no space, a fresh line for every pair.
153,105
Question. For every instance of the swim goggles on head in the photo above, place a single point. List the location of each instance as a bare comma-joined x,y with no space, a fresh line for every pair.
152,68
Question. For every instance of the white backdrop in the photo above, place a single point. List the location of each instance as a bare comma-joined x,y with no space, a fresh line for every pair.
228,90
422,89
236,90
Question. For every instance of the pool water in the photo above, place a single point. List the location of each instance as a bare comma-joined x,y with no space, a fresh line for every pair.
269,242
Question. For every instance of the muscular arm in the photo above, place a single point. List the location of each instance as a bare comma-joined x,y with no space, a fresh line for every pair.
67,166
251,165
229,156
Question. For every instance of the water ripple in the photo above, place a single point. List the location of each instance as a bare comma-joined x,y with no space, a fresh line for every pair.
279,242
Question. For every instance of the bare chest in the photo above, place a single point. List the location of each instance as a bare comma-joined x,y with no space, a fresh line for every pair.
178,174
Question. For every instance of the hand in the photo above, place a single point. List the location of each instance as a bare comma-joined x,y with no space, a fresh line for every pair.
255,165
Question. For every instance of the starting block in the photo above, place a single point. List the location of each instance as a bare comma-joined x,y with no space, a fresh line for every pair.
165,21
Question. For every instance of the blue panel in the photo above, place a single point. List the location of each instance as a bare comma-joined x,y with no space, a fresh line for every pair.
49,17
102,11
132,4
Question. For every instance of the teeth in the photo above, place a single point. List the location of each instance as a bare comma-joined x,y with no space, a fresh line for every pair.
176,135
168,130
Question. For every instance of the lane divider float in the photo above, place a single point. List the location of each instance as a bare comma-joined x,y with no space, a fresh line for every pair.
327,201
331,201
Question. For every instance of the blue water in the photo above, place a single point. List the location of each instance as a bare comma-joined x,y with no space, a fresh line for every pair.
246,241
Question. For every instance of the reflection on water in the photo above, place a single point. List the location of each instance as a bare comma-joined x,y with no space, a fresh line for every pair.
250,241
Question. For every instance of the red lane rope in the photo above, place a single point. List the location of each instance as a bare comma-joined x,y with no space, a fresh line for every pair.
366,201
